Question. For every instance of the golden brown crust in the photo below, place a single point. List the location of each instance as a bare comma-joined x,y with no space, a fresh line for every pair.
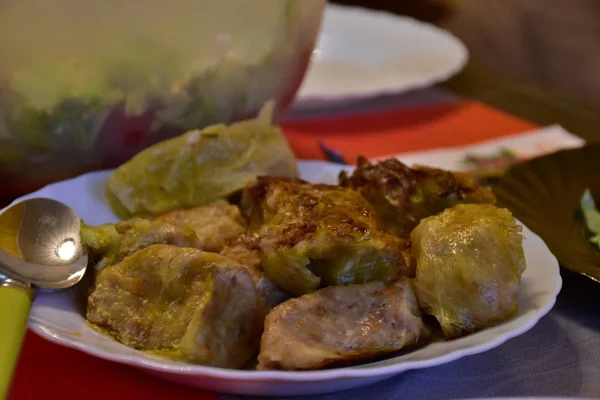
313,235
402,196
309,206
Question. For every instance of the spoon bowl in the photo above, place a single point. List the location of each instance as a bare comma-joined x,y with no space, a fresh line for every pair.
40,244
40,247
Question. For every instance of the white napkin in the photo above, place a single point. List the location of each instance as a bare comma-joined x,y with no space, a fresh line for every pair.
526,145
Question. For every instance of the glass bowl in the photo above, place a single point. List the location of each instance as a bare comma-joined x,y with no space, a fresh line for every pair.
89,83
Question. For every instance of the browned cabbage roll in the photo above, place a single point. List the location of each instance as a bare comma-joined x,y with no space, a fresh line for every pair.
108,244
210,227
179,303
216,224
318,235
402,196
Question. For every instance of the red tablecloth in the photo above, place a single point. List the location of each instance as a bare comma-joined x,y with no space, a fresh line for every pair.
49,371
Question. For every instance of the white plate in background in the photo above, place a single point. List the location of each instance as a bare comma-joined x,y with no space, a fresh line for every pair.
362,53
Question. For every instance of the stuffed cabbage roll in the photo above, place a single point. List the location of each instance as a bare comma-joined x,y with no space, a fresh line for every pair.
245,250
318,235
216,225
108,244
469,262
179,303
210,228
340,324
199,167
402,196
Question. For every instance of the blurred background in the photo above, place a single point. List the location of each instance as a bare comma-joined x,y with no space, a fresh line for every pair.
98,99
552,43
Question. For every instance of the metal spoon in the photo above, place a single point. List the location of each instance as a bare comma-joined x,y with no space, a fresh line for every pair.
40,248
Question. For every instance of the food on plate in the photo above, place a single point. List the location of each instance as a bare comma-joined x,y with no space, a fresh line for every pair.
245,250
225,254
216,224
340,324
469,262
179,303
402,196
199,167
210,227
313,235
110,243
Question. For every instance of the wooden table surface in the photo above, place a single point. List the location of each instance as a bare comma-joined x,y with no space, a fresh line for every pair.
526,100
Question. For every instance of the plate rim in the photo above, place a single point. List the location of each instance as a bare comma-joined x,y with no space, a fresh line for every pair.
303,99
299,376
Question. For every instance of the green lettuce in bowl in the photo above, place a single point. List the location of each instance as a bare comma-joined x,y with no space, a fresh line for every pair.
89,88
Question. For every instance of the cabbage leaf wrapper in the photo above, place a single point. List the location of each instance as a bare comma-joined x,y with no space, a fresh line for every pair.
469,262
199,167
180,303
315,235
109,244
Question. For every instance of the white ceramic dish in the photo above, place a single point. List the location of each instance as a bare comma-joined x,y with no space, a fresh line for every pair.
59,318
363,53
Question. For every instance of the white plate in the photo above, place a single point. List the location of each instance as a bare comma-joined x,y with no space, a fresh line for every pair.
363,53
58,317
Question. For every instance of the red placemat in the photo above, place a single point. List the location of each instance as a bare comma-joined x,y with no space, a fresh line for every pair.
396,131
46,370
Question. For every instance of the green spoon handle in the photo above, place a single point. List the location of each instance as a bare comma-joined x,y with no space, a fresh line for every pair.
15,302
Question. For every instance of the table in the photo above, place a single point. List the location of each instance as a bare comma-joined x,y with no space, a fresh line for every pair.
558,357
526,100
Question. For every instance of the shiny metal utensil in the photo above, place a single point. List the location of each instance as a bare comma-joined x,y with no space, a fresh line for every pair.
40,248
